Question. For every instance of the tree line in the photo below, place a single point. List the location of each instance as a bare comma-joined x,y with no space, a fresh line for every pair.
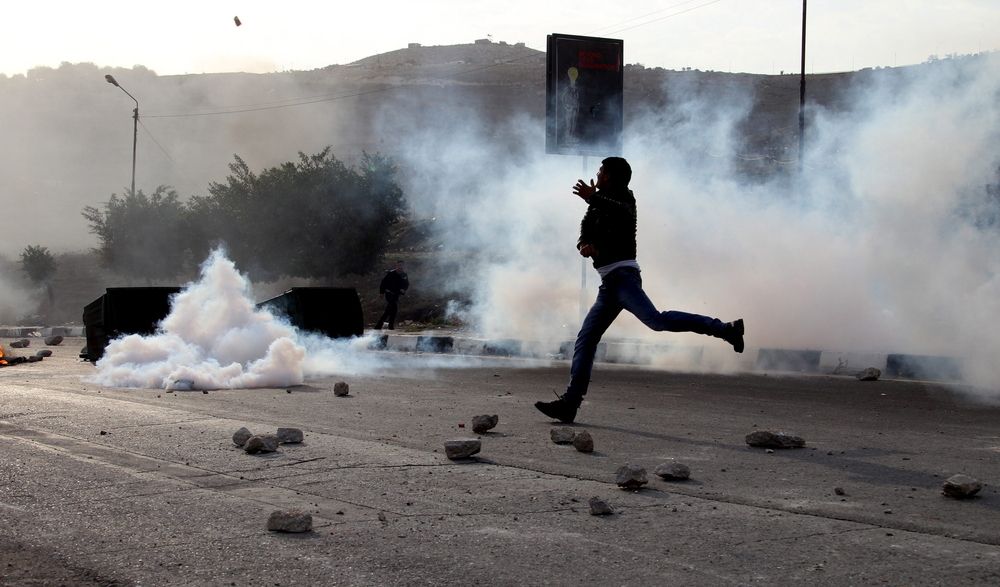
315,218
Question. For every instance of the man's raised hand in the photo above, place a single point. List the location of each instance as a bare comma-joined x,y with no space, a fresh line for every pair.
583,190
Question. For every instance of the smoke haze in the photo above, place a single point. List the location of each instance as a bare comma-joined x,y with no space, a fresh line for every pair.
876,248
868,251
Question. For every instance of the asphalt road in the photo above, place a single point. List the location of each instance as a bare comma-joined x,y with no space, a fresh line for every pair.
115,486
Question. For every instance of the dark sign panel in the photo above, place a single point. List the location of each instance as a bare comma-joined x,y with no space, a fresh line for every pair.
584,80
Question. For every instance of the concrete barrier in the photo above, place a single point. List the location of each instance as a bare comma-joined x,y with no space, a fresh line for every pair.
928,367
435,344
802,361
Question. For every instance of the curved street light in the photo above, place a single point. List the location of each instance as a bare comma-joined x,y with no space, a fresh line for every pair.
135,122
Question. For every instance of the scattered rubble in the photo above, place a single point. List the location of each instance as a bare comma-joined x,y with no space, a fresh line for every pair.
631,477
20,344
583,441
562,435
259,443
341,389
33,359
483,424
961,486
289,521
673,471
766,439
462,448
43,353
599,507
870,374
53,340
241,436
290,435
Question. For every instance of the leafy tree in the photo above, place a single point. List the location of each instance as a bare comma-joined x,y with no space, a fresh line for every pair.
315,217
142,236
38,263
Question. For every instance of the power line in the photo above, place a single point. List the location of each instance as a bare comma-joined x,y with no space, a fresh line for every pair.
678,13
157,142
641,16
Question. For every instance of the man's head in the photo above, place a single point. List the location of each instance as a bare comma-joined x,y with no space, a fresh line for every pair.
615,172
399,265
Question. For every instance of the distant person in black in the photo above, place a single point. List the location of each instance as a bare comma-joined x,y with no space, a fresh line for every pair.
607,236
393,285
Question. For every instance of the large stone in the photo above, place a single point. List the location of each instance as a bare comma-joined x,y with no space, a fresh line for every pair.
44,353
767,439
961,486
462,448
20,344
483,424
241,436
599,507
53,340
290,435
341,389
870,374
583,441
290,521
673,471
259,443
631,477
562,435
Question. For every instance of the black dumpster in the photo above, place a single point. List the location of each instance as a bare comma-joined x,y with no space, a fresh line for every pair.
332,311
123,310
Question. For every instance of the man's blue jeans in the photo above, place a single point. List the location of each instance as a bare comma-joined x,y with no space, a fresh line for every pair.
622,290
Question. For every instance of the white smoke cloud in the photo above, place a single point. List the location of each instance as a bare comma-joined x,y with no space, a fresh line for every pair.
215,338
212,338
867,252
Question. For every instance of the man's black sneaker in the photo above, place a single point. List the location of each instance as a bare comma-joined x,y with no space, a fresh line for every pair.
559,409
734,335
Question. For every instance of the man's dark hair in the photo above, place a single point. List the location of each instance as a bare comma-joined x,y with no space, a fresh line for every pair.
618,170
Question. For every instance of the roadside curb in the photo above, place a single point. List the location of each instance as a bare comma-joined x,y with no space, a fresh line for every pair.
636,352
25,331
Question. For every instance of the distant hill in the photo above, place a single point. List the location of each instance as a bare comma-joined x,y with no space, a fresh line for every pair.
483,52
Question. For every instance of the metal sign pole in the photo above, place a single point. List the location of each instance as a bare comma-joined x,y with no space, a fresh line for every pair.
583,267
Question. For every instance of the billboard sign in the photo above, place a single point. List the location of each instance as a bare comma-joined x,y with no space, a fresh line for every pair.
584,81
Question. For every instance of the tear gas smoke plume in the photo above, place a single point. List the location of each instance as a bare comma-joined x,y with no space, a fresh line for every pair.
15,301
868,251
214,337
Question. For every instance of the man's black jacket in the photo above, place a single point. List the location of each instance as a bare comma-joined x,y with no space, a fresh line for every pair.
394,282
609,226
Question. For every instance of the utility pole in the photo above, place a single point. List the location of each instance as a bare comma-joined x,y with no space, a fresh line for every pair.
583,268
802,89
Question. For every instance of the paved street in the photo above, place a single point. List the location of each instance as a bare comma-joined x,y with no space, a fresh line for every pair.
117,486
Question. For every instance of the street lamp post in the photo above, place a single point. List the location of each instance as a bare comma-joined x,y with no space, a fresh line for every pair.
802,89
135,123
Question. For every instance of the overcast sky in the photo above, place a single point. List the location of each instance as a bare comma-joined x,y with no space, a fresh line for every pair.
760,36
